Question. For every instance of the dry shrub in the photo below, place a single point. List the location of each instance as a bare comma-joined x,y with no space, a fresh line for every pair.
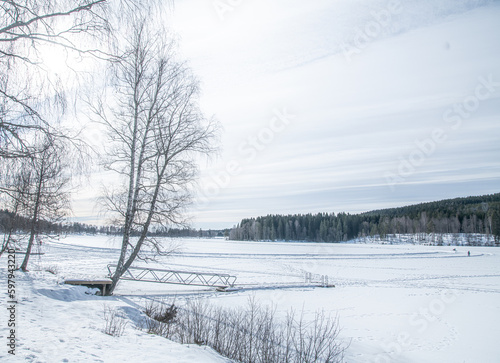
115,323
252,333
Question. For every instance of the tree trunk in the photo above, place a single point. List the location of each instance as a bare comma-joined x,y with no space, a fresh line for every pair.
28,250
33,232
121,269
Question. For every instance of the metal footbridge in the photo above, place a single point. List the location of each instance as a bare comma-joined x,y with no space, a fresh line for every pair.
176,277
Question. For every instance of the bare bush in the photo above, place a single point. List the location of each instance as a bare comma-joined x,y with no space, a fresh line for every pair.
255,334
115,323
160,319
161,312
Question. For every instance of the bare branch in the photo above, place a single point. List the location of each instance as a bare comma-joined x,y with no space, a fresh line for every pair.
43,17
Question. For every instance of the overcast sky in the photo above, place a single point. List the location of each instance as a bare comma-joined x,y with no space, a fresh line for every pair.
343,105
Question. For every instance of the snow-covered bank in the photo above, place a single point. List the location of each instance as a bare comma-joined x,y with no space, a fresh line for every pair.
61,323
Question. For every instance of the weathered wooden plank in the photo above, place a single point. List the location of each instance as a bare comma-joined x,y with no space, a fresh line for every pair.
100,284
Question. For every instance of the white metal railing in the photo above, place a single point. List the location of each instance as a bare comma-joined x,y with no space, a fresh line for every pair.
176,277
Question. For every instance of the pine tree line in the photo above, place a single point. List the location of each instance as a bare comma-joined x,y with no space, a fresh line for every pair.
479,215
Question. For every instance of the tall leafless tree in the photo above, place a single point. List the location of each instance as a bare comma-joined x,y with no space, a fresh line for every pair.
156,133
30,94
38,188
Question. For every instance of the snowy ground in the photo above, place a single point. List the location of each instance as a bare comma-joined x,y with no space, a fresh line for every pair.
395,303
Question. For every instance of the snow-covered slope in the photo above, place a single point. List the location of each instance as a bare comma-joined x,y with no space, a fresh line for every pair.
62,323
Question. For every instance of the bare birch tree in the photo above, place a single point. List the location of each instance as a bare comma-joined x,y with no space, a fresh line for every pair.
38,189
156,131
31,94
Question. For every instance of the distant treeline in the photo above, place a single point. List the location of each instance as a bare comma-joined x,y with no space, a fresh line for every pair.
461,215
18,224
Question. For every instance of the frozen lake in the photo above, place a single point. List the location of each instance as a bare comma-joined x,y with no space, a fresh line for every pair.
395,303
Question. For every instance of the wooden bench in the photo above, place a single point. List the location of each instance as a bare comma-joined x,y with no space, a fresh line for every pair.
100,284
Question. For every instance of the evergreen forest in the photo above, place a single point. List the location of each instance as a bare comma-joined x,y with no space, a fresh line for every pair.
470,215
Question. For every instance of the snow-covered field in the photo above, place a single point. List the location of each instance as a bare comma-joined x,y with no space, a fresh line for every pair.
395,303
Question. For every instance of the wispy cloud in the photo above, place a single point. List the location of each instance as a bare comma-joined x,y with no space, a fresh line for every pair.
356,119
